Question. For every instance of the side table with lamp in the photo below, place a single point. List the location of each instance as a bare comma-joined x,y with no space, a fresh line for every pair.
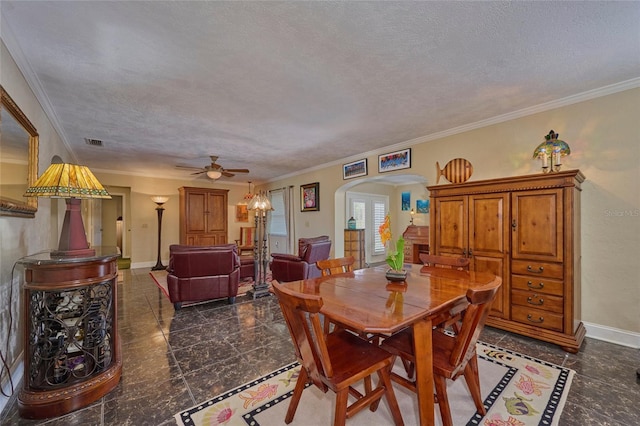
71,346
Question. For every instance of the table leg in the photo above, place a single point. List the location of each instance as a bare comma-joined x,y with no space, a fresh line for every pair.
422,343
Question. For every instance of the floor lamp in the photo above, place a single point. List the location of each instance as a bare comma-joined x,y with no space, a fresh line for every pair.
159,200
261,204
72,182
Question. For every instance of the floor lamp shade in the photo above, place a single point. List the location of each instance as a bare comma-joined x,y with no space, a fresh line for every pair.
72,182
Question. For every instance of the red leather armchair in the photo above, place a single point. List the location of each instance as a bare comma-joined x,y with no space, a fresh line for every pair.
289,267
198,273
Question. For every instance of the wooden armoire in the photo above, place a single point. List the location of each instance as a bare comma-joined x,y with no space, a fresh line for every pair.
203,216
525,229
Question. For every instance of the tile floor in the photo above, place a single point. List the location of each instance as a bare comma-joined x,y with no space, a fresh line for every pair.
174,360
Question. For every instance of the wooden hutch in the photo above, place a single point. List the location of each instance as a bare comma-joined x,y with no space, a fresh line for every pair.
525,229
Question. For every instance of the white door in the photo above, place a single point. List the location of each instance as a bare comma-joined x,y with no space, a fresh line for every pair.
369,211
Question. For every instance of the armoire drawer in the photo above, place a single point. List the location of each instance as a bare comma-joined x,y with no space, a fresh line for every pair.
532,299
537,284
537,317
537,268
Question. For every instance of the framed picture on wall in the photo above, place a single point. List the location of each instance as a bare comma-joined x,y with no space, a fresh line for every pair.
406,201
422,206
394,161
242,213
355,169
310,197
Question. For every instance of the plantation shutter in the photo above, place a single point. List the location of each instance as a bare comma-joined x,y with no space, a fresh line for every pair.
379,212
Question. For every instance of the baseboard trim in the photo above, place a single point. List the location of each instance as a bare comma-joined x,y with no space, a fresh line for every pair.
151,264
16,377
613,335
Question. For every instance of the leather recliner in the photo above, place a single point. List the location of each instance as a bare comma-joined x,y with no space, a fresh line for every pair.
198,273
289,267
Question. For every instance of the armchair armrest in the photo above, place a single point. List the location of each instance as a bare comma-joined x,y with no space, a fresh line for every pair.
286,257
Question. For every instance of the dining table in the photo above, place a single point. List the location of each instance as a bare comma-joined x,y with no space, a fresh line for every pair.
365,301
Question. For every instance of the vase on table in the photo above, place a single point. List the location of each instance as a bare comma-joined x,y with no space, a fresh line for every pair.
395,275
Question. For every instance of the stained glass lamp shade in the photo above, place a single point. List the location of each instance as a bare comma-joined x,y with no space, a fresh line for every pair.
73,182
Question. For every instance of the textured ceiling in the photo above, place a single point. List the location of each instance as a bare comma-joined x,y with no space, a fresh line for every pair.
280,87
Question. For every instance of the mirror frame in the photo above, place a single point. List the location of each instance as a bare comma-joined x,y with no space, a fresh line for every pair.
11,207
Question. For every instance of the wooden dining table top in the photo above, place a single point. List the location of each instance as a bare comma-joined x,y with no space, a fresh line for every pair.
366,301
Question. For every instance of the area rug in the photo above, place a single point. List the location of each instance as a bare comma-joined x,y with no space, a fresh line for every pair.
518,391
160,278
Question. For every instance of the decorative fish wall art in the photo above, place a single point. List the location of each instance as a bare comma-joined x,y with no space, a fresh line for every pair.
457,170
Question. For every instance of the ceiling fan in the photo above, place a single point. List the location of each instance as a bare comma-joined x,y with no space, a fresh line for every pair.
214,171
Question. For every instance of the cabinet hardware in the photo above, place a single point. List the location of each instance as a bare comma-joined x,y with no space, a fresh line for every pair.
539,320
530,301
514,225
539,287
539,271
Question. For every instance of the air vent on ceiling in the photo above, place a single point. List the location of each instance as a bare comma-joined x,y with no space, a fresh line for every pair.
94,142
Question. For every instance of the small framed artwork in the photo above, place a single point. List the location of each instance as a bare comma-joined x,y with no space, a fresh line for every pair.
422,206
355,169
310,197
406,201
242,213
394,161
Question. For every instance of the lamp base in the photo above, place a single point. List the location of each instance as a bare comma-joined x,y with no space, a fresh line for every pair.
88,252
260,290
159,267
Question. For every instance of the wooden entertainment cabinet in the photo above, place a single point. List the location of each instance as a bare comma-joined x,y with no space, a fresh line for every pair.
203,216
525,229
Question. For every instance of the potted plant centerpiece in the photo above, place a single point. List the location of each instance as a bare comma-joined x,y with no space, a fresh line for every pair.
395,252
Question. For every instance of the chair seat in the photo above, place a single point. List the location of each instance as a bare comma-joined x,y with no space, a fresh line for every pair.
362,355
402,344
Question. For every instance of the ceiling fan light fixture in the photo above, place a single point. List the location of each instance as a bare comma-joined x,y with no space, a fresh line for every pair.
214,174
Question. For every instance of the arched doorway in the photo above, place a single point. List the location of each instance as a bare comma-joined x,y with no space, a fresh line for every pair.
392,186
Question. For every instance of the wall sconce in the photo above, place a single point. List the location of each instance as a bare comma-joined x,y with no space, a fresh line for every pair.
551,151
412,212
159,200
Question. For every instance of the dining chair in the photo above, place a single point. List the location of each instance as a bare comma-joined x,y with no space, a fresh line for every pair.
336,266
453,355
330,267
460,263
451,319
336,361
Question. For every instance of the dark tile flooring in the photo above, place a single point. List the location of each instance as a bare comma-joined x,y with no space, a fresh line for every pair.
174,360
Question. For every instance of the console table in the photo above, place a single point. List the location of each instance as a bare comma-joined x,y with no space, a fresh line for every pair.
416,241
71,346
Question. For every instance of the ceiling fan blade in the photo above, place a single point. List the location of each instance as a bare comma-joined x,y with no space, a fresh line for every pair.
199,173
237,170
227,174
188,167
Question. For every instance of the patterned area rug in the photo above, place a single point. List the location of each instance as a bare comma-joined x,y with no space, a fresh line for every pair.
160,278
518,391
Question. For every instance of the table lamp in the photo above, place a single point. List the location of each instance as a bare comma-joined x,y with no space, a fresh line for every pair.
73,182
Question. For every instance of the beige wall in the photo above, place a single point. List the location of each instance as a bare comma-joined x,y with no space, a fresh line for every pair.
604,135
20,237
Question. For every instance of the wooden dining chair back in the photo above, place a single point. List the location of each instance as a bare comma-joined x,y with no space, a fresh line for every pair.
336,266
453,355
460,263
328,361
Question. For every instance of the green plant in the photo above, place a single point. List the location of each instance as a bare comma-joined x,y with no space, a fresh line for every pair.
395,255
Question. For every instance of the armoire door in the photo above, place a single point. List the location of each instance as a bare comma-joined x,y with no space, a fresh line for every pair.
488,246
